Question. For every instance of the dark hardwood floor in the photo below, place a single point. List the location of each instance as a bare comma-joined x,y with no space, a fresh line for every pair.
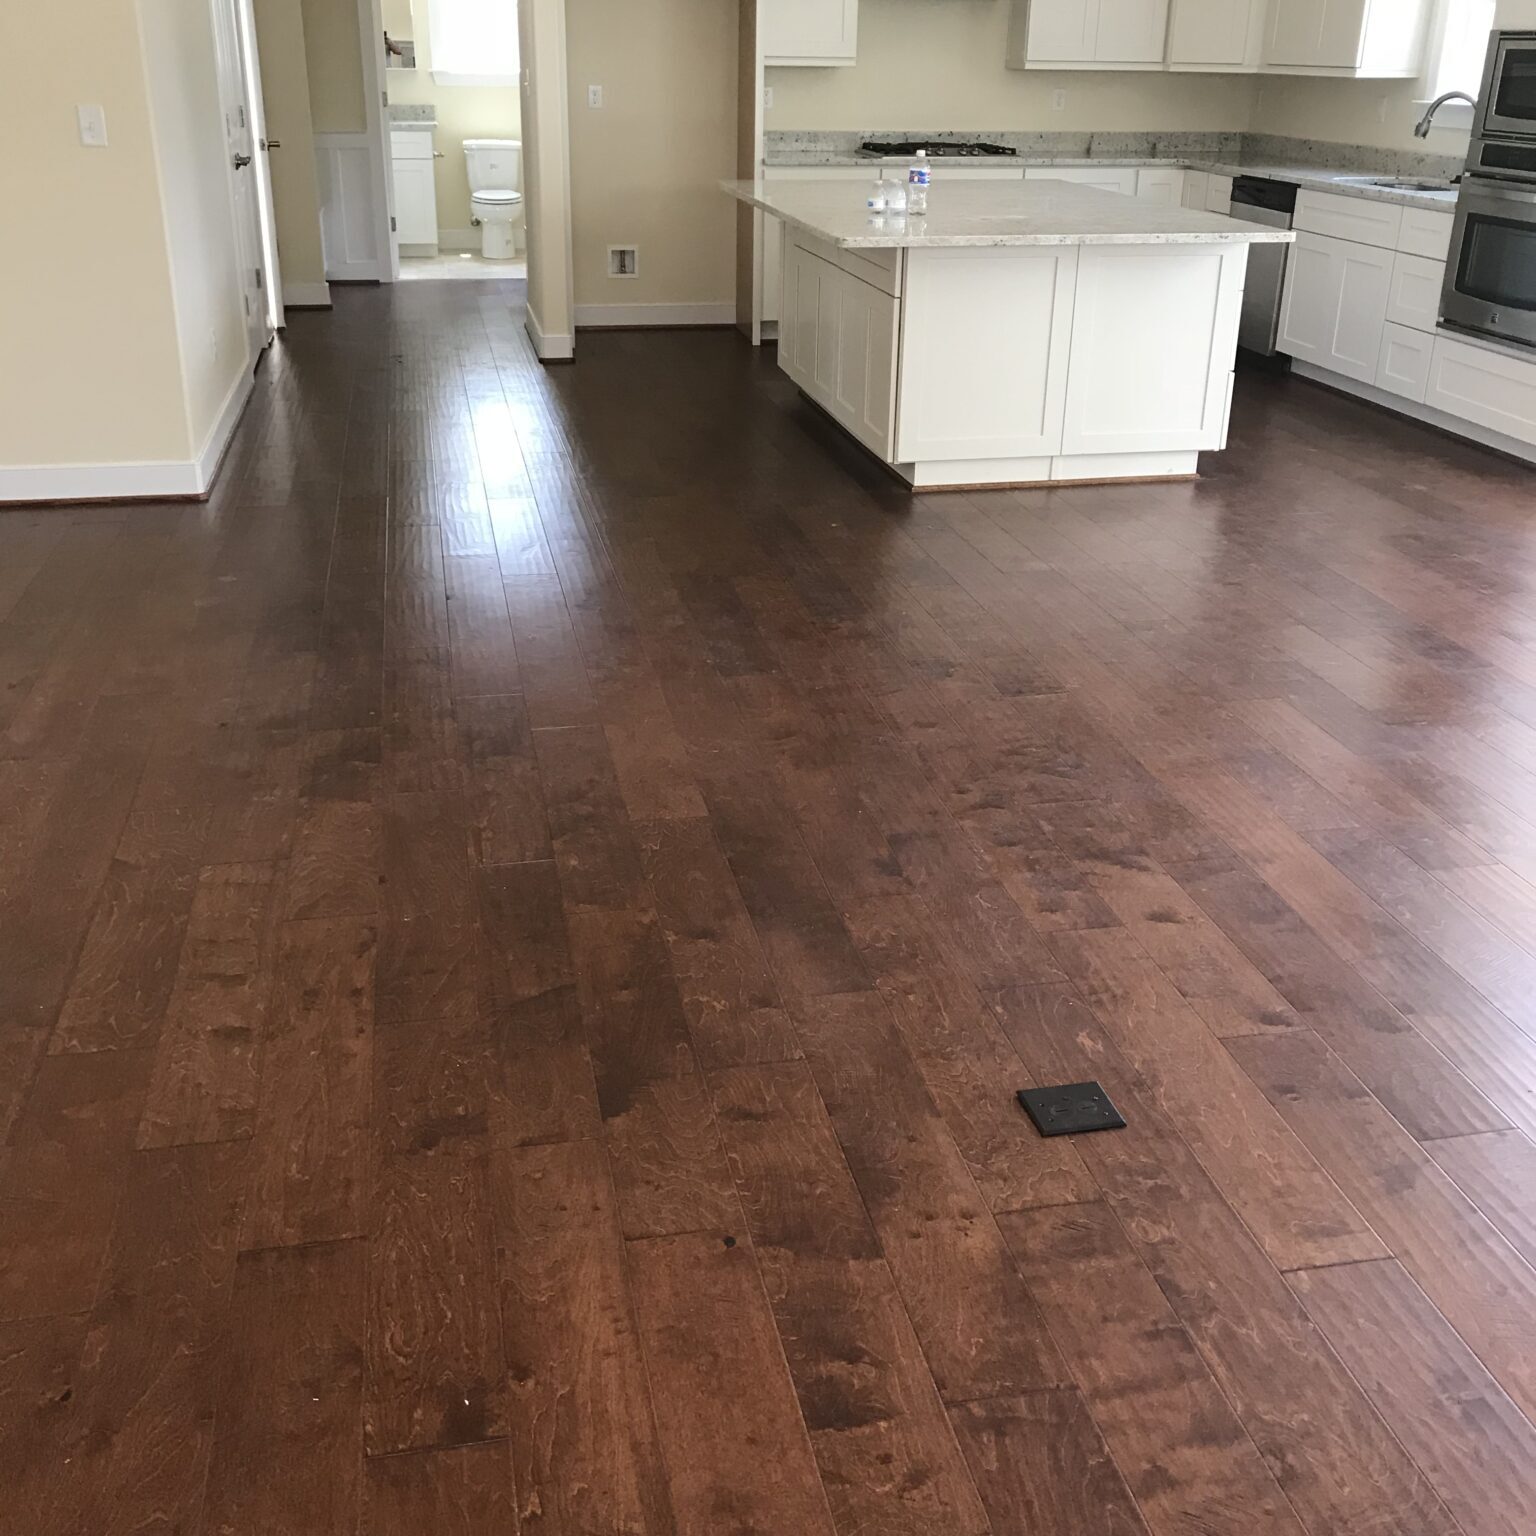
522,920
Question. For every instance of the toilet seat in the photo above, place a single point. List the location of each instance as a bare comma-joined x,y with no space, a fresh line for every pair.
497,197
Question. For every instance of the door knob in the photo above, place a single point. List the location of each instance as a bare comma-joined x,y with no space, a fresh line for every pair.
241,161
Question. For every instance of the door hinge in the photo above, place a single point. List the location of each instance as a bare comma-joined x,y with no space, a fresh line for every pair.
393,225
261,278
247,299
241,110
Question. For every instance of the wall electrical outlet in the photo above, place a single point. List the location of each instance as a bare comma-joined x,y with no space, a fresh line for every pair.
93,126
623,261
594,95
1058,101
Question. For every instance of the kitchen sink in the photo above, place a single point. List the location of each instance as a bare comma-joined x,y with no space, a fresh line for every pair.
1399,183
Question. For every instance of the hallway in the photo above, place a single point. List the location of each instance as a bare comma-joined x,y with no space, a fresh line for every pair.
523,918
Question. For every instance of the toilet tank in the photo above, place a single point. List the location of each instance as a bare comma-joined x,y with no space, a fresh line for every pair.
494,164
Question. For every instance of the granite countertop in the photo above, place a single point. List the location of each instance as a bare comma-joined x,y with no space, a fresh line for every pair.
991,213
1317,178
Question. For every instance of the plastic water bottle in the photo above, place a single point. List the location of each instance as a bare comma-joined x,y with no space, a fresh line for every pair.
918,177
875,201
896,195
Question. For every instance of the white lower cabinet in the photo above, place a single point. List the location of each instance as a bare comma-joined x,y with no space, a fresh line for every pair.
1015,388
1145,377
1403,365
1160,184
414,167
1336,297
837,341
1492,389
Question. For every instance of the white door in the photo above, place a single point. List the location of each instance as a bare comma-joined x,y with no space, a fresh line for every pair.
245,170
256,108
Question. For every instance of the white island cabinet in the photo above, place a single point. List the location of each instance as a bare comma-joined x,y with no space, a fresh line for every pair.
1023,332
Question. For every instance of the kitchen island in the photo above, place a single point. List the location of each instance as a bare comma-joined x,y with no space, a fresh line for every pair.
1018,333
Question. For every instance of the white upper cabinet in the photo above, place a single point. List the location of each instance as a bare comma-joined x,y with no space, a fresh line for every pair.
1088,34
1363,39
808,31
1216,35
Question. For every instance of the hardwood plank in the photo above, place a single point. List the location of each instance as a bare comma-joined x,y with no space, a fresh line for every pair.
432,1085
706,1330
980,1330
506,798
289,1394
734,1010
204,1086
583,1436
137,1456
1485,1289
310,1141
62,1179
333,868
887,1456
1295,1210
1497,1172
1183,1451
1042,1467
1477,1448
39,1363
1333,1457
433,1373
965,1060
466,1491
122,982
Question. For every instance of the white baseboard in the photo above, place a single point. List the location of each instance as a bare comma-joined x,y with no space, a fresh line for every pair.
596,316
154,480
1402,406
307,295
549,347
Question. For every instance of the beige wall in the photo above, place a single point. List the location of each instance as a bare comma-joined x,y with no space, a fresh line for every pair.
646,167
90,369
334,55
1376,112
938,64
463,111
295,183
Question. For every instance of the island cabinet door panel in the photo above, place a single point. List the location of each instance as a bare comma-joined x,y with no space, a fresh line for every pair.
864,362
1154,340
985,335
1336,296
800,314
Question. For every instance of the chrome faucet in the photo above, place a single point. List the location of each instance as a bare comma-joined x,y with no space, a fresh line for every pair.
1425,123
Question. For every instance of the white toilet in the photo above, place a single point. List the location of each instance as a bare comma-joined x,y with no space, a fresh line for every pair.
495,203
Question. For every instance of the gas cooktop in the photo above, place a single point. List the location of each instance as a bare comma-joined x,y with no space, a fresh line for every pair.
936,151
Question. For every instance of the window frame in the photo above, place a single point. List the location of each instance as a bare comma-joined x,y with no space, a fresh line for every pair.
1456,116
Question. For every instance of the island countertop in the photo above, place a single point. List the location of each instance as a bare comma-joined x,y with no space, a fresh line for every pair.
991,213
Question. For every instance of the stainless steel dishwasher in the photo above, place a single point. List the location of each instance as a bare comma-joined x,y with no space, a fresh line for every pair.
1258,200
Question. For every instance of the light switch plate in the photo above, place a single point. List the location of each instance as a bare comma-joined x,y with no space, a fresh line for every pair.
594,95
93,126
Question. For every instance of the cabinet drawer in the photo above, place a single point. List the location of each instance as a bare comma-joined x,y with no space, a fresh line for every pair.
410,144
1414,299
1349,218
1426,233
1403,367
1485,387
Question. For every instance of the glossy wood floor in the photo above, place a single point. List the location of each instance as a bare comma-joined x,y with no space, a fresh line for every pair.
521,923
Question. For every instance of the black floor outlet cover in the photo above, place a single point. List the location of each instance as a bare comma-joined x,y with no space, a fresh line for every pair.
1071,1108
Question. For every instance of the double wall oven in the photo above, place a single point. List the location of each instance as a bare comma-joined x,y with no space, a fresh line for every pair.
1490,281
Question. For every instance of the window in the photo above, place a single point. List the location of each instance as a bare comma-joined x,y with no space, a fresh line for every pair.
474,42
1463,47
